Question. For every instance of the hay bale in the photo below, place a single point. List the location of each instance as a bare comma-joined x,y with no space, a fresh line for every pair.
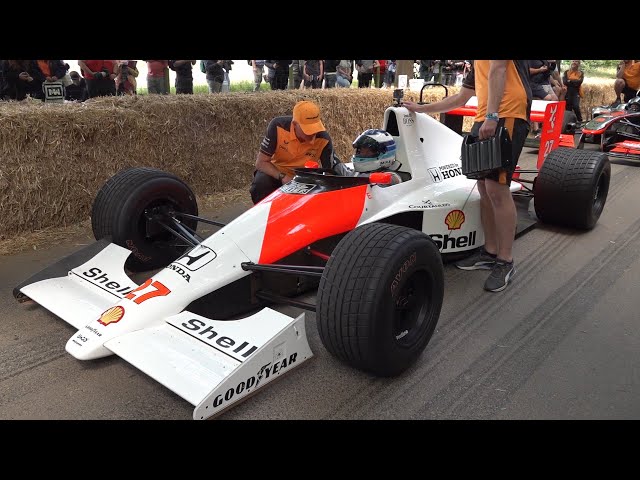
596,94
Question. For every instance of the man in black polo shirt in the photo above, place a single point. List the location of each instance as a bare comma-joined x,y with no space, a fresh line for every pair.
281,73
184,75
330,71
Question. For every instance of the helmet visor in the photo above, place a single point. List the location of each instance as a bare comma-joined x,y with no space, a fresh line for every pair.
366,146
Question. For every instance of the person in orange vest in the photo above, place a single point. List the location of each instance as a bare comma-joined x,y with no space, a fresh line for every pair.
627,81
572,78
290,142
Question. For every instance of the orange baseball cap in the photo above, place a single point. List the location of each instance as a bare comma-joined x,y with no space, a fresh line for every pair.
307,114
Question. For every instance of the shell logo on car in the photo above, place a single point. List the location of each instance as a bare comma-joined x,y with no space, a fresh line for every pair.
113,315
454,219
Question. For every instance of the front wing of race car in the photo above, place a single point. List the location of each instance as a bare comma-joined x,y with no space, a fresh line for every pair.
617,132
212,364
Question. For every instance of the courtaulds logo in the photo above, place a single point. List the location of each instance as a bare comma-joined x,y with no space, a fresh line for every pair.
113,315
454,219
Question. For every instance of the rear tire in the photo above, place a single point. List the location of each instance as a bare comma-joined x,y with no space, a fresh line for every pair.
379,298
119,210
571,188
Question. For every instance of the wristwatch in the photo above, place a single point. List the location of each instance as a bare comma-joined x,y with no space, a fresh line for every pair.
492,116
281,176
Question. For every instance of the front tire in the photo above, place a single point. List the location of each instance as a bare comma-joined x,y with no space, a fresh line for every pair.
571,188
379,298
120,210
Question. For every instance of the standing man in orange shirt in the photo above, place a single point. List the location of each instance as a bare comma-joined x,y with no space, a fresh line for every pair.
628,80
504,99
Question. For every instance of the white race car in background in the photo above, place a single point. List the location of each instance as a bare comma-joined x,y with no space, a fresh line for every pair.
195,313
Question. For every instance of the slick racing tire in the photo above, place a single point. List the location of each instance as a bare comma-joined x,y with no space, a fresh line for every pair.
571,188
379,298
120,211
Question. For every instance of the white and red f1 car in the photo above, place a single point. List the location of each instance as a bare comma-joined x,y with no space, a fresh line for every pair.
199,319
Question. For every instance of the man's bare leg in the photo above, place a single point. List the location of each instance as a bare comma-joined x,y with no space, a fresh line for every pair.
504,218
488,220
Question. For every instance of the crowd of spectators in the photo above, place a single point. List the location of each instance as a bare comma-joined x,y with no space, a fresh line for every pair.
446,72
20,79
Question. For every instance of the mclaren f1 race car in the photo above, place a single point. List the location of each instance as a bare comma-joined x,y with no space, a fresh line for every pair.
198,314
616,129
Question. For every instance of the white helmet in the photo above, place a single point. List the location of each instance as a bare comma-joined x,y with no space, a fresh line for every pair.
375,149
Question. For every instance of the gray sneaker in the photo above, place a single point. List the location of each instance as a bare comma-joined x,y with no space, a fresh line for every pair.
481,260
501,273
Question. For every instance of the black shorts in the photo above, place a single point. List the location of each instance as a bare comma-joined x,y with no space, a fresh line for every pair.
538,91
518,131
262,186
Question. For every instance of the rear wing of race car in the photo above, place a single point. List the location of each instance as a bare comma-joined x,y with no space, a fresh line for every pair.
549,114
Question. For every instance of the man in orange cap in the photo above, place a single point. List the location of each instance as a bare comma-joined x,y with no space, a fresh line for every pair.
290,142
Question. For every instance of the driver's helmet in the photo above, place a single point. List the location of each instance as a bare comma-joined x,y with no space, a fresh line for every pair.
633,105
375,149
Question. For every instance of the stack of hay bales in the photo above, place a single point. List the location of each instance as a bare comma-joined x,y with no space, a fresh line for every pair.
595,95
54,158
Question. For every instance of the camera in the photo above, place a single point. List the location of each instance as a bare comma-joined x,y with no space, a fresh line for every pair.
124,72
104,73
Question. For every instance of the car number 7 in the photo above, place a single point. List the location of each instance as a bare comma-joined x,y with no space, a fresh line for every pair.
159,290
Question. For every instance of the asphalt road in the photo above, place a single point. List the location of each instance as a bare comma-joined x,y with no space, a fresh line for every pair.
561,342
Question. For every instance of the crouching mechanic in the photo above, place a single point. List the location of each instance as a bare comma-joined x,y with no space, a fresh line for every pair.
290,142
375,152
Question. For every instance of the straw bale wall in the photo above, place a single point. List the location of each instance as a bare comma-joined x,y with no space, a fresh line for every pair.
54,158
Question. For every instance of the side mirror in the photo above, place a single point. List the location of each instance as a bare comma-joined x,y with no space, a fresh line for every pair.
383,178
